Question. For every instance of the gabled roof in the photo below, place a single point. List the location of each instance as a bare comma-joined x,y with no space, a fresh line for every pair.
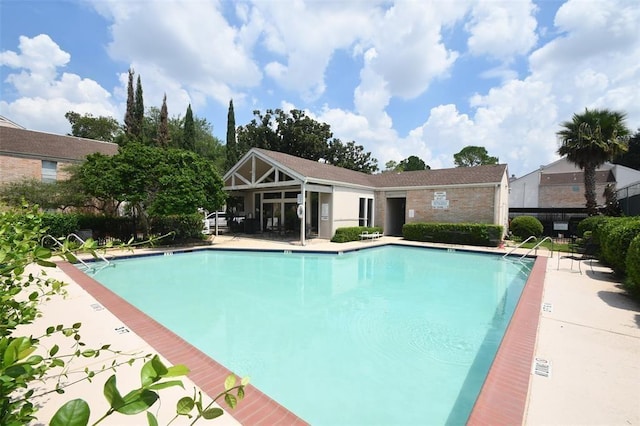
31,144
313,171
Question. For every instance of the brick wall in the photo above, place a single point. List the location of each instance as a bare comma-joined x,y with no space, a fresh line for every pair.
16,168
566,195
469,204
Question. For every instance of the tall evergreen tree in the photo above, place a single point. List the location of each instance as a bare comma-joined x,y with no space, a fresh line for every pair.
163,125
138,111
129,120
232,148
189,140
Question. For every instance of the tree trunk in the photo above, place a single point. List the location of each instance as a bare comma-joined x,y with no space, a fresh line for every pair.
590,190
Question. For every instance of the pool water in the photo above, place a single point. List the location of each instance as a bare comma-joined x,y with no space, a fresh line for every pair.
387,335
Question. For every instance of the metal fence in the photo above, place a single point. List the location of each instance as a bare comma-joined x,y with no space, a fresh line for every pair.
629,199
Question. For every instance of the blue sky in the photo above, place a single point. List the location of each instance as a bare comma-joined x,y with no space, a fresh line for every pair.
402,78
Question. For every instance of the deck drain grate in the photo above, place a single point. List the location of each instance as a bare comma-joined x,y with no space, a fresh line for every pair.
547,307
97,307
542,367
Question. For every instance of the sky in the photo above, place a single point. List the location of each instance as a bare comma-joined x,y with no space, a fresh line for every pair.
401,78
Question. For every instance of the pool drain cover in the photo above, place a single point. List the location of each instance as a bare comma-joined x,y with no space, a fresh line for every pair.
542,367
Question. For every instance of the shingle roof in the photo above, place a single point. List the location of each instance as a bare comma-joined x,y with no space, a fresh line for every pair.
317,170
453,176
29,143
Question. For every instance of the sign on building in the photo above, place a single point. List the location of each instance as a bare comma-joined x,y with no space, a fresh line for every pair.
440,200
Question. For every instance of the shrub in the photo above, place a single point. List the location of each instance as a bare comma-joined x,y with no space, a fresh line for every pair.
525,226
590,224
474,234
60,224
632,282
615,243
600,235
352,233
186,227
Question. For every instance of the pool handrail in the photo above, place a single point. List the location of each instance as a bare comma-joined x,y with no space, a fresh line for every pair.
531,249
77,237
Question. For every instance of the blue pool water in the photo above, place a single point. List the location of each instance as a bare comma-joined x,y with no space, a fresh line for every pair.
388,335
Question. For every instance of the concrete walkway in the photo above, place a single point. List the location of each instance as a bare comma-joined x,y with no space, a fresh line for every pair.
589,332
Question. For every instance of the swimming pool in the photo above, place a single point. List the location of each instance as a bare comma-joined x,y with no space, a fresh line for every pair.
385,335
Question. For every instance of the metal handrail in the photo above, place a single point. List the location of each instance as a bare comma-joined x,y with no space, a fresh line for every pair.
55,240
518,246
538,245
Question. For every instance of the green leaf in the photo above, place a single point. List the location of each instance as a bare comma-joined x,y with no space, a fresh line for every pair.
151,371
54,350
240,393
112,394
229,382
212,413
45,263
244,381
151,419
185,405
177,370
34,359
88,353
136,402
164,385
74,413
42,253
231,400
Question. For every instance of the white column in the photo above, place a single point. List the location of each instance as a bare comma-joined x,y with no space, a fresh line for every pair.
303,219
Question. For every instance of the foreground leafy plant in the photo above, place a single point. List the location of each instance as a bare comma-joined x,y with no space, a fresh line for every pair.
24,359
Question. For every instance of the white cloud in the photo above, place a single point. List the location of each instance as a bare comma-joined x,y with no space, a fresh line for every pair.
502,29
44,96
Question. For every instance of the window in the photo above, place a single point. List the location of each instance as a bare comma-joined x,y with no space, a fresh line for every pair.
365,214
49,171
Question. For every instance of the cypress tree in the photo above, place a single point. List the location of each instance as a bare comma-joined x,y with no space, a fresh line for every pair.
231,148
138,111
189,141
163,125
129,123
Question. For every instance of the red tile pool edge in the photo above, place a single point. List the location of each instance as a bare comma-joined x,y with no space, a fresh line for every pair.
255,409
502,400
503,397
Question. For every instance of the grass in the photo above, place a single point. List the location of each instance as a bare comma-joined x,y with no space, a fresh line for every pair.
562,247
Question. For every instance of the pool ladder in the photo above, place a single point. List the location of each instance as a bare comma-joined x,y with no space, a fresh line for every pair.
532,248
77,238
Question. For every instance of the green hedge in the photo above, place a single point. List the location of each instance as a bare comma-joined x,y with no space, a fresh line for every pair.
107,227
60,224
526,226
186,227
590,224
344,235
632,282
615,242
473,234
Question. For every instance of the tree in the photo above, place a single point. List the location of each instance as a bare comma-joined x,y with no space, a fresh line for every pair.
589,140
163,138
631,158
138,112
471,156
390,166
412,163
90,127
350,156
129,115
189,140
297,134
231,147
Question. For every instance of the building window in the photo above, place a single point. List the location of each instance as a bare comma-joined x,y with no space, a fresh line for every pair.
49,171
365,215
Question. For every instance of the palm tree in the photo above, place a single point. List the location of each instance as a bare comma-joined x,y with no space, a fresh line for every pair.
589,140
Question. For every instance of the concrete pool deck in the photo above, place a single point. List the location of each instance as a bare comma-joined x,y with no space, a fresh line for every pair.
588,331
